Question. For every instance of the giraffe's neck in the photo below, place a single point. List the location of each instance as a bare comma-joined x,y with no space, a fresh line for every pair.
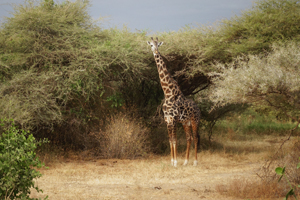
168,84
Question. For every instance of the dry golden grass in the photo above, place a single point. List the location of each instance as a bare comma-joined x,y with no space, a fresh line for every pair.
121,133
218,175
252,189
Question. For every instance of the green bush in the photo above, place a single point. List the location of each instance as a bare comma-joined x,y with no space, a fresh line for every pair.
17,159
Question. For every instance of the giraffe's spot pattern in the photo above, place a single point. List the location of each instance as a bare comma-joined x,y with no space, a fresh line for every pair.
176,107
163,84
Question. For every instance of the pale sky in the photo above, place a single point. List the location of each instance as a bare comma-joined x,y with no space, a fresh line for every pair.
156,15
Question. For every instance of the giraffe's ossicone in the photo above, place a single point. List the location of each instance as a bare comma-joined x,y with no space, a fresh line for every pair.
176,108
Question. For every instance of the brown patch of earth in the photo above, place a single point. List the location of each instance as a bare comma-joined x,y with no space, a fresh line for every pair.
152,178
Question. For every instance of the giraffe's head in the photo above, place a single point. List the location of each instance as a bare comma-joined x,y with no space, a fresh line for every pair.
154,45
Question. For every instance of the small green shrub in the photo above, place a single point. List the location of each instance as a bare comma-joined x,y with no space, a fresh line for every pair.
17,159
281,171
125,137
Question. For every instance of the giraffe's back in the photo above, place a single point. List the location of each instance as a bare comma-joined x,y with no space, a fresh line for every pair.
182,110
189,111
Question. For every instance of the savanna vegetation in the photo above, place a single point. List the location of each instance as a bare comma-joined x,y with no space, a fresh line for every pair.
65,78
17,157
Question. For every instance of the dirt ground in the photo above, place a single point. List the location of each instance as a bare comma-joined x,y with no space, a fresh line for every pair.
152,178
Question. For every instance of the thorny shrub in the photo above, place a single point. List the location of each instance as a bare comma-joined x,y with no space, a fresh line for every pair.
270,82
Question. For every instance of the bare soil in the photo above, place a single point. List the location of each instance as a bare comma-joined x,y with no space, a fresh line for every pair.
154,177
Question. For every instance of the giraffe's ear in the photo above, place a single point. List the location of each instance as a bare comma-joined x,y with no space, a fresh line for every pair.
159,44
148,42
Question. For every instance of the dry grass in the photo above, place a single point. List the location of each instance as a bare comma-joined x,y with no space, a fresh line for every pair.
266,185
125,137
249,188
221,174
138,179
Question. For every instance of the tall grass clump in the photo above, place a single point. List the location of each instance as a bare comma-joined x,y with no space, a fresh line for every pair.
125,137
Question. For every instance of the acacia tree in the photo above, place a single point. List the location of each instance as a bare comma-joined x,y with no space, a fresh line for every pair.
58,66
268,82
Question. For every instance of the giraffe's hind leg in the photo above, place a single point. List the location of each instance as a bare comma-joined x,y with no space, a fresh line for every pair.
195,132
187,130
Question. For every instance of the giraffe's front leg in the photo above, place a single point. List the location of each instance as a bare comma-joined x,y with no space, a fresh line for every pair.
173,143
175,154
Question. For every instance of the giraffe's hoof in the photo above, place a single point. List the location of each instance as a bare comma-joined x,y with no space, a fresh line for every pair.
195,163
175,163
185,162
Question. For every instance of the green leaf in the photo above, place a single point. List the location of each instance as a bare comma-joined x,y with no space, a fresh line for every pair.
298,165
279,170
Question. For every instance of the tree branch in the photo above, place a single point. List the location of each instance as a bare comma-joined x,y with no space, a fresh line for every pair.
284,141
285,112
200,89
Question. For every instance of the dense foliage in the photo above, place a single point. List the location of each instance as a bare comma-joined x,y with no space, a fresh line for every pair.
53,59
17,157
61,73
253,32
271,82
56,64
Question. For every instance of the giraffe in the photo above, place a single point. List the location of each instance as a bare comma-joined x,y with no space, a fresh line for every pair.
176,108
